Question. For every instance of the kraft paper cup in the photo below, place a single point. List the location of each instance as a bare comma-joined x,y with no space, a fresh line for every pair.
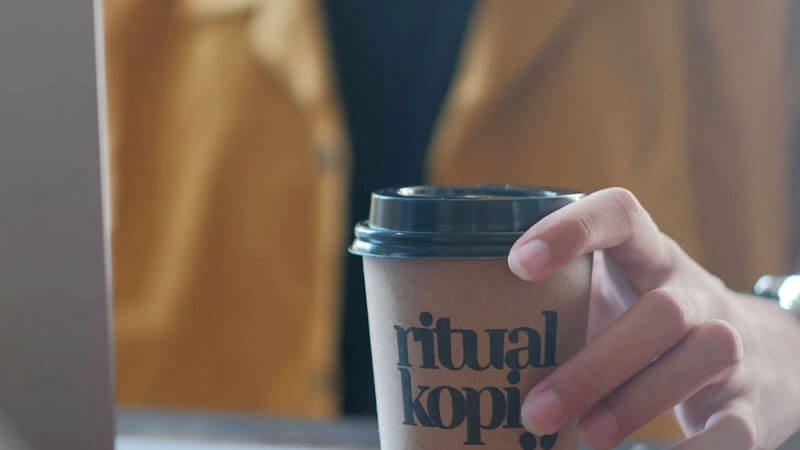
458,340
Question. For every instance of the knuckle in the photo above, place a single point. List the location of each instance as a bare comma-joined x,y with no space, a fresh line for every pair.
587,384
725,343
569,237
716,283
600,438
585,231
590,379
579,232
671,309
631,417
626,203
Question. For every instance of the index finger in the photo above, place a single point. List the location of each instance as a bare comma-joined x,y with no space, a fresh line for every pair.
610,219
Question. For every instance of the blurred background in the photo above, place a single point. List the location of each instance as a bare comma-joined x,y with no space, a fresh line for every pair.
246,136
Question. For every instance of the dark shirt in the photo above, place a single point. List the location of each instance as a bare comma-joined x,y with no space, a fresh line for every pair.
394,62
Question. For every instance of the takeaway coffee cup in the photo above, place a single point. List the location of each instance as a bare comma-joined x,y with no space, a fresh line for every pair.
457,340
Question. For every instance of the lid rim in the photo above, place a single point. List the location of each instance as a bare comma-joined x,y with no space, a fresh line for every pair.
454,221
392,193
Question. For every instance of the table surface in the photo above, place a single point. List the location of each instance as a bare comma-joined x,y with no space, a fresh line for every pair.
231,431
161,430
164,430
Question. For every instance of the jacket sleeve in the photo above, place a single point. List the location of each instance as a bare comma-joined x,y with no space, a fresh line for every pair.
740,133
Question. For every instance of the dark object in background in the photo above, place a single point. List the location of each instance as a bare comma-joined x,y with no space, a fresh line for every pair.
394,62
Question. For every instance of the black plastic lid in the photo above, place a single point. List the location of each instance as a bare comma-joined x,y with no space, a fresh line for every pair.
478,221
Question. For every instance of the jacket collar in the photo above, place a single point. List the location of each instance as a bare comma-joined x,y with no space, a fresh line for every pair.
505,40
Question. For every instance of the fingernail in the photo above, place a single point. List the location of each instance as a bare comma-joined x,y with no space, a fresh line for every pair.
529,261
599,427
542,412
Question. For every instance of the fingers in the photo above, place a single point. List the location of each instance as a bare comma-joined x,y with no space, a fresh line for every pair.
656,323
710,350
608,219
733,427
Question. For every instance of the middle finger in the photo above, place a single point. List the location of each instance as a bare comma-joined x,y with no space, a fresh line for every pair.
653,325
709,351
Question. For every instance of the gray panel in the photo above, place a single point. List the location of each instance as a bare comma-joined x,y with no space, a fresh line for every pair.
55,383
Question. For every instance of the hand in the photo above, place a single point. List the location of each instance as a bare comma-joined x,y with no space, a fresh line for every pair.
663,332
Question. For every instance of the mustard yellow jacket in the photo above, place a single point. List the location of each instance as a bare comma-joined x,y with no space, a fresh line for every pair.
230,165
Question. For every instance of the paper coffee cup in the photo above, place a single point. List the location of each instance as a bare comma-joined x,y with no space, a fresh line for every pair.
457,340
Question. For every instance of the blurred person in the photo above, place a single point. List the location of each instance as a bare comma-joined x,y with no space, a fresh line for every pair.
246,136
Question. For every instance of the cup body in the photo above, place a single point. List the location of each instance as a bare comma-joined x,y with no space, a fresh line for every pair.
458,340
457,343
